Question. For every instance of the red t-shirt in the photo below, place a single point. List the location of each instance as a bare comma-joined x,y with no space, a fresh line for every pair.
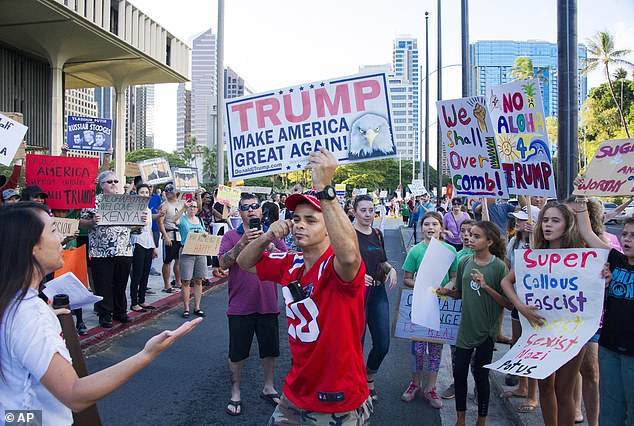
324,332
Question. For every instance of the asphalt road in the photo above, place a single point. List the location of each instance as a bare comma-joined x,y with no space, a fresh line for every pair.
189,383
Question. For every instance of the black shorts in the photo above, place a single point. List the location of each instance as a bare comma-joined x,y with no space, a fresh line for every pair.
241,330
171,253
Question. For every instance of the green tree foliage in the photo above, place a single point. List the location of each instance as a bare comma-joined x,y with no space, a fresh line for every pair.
601,55
147,153
523,69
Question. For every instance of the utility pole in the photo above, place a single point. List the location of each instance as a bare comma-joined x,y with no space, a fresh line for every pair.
439,141
464,15
567,77
427,102
220,78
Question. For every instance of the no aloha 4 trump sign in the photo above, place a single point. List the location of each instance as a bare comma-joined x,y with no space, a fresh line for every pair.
469,142
274,132
567,288
517,113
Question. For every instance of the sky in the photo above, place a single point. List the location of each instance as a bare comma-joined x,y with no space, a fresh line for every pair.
279,43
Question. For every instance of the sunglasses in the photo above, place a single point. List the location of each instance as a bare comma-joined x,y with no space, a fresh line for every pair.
246,207
169,189
110,181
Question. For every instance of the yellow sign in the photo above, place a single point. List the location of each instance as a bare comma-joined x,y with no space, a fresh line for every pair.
227,195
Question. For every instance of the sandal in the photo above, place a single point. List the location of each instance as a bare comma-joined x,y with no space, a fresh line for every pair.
199,313
526,408
373,394
270,397
237,407
140,308
144,306
185,314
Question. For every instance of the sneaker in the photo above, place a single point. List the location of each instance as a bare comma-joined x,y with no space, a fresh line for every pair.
154,272
149,291
82,330
449,393
410,393
433,399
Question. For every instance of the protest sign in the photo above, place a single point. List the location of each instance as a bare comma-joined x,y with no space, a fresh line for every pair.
122,209
567,287
450,313
11,135
228,195
185,179
75,262
362,191
611,171
469,142
256,189
69,284
68,181
517,114
89,133
417,187
274,132
383,194
131,170
340,188
204,245
66,227
433,268
155,171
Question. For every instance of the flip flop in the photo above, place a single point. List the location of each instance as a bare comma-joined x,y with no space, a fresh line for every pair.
526,408
185,314
270,397
512,394
237,406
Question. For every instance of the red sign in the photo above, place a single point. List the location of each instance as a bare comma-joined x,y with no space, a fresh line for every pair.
68,181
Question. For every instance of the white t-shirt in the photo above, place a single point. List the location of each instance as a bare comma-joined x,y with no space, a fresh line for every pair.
145,238
29,337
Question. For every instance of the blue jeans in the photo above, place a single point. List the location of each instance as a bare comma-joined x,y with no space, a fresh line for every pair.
615,387
377,316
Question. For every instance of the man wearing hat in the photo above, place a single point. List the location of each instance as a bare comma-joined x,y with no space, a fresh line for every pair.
10,195
323,288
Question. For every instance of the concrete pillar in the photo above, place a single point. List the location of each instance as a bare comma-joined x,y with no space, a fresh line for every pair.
119,143
57,108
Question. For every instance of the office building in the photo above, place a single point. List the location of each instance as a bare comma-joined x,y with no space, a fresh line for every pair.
203,86
235,85
183,115
404,93
492,62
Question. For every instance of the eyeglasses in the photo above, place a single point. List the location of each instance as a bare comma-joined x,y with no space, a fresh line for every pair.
246,207
169,189
110,181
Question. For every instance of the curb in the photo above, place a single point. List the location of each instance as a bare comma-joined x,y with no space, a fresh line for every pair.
98,338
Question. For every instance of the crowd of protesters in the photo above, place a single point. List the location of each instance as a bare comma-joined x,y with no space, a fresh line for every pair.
305,242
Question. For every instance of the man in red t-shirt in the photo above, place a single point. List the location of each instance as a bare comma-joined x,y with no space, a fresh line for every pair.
323,290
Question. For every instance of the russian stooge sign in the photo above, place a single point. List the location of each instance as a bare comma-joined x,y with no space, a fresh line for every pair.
517,113
567,287
275,132
469,142
89,133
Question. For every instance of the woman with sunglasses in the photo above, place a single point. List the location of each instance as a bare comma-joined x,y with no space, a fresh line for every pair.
111,253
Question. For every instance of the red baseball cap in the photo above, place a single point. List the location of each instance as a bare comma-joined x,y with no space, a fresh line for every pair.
293,200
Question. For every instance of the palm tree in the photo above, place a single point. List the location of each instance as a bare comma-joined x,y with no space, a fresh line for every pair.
601,54
621,75
523,70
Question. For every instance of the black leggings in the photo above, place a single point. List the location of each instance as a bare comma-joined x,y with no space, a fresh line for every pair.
483,356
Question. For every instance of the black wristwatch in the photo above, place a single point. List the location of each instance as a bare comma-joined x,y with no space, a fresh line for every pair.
328,193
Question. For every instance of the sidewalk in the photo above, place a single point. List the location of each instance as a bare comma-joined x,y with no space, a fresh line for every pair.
496,379
98,337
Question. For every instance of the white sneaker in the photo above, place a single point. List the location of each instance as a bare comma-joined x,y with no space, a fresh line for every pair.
433,399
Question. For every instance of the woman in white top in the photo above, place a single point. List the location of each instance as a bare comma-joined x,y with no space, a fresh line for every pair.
35,367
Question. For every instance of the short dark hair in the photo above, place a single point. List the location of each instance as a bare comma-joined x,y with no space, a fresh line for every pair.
360,198
143,185
247,196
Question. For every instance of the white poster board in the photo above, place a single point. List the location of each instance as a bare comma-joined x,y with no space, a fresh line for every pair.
11,135
567,287
611,170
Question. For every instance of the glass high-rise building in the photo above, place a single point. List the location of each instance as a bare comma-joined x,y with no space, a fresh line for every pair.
492,62
203,86
404,95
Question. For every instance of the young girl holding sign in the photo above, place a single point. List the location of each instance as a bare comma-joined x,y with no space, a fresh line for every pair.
431,226
556,228
478,285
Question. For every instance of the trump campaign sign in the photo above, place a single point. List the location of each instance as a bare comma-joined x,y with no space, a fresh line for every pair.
274,132
567,288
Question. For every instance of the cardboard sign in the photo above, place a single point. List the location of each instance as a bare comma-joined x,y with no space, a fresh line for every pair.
517,114
89,133
122,209
228,195
11,135
611,170
66,227
199,244
155,171
185,179
68,181
450,314
567,287
274,132
132,170
469,142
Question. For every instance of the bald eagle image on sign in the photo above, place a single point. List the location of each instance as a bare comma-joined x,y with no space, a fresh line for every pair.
275,132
